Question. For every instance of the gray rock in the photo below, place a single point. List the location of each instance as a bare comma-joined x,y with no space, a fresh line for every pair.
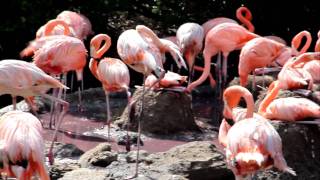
164,112
195,160
60,167
85,174
100,156
68,150
132,156
23,106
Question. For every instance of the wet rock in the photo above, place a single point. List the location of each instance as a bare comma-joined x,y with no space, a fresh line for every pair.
195,160
164,112
100,156
85,174
132,156
300,144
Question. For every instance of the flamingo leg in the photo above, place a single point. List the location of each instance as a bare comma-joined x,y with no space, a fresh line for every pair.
80,89
254,81
52,108
108,113
61,116
71,83
14,102
65,83
128,144
224,71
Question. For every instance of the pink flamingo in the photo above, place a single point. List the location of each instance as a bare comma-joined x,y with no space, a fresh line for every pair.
293,50
257,53
207,26
287,109
170,79
251,143
111,72
22,146
78,22
223,38
317,46
29,81
60,54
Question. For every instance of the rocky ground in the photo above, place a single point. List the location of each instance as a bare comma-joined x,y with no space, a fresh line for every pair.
194,153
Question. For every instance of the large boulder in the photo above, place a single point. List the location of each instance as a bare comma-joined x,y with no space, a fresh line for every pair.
164,112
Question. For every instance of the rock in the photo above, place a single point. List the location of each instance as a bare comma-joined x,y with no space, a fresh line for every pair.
122,139
132,156
172,177
68,150
60,167
100,156
23,106
85,174
156,116
194,160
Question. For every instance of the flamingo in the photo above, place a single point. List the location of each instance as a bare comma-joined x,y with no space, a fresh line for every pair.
143,51
252,143
22,146
257,53
20,78
224,37
207,26
170,79
111,72
190,39
287,109
317,46
60,54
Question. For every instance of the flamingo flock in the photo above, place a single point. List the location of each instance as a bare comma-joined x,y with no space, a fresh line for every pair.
250,140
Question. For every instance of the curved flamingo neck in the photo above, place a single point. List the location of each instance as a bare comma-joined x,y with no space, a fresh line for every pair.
93,66
317,47
232,96
246,19
296,41
96,51
53,23
272,93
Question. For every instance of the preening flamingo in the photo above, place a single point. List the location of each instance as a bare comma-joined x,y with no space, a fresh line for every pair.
252,143
223,38
20,78
257,53
78,22
22,146
170,79
111,72
190,39
311,63
243,14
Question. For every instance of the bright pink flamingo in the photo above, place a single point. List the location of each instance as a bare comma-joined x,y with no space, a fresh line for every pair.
111,72
20,78
245,19
257,53
22,146
252,143
60,54
287,109
223,38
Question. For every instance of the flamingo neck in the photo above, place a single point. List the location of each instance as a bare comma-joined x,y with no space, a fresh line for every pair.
246,20
53,23
96,51
296,41
93,66
272,93
223,132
